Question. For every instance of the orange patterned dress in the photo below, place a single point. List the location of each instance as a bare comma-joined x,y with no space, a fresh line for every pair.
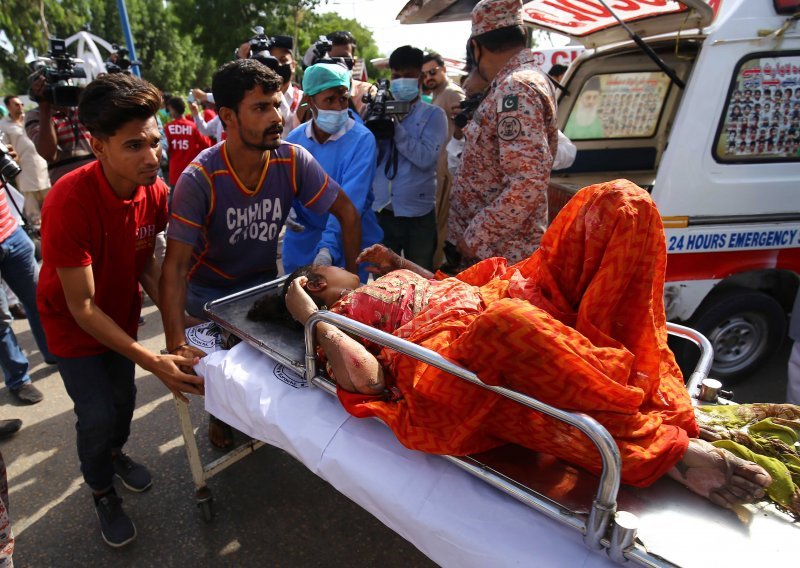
579,325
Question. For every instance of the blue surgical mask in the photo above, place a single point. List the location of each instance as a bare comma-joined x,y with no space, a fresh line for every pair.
405,89
331,121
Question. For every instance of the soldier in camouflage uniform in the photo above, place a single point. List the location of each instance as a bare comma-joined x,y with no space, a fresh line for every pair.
498,205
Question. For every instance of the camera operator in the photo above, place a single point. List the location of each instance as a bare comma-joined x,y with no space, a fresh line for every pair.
19,269
58,135
343,45
346,150
405,180
498,203
276,53
446,95
33,181
281,49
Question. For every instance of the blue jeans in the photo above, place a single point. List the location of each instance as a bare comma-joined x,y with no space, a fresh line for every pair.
21,272
12,360
104,393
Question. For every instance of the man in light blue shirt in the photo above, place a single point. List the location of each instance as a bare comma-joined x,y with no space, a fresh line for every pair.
405,180
346,150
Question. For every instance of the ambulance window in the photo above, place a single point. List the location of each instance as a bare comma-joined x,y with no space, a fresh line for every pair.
618,105
761,120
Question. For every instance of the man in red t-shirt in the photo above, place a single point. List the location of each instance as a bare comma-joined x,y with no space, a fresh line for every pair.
99,224
183,138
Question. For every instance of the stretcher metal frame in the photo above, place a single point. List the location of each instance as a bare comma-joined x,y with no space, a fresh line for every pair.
604,528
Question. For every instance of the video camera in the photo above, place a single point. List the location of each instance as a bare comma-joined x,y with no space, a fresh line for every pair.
319,53
468,107
58,69
118,62
381,108
8,167
260,46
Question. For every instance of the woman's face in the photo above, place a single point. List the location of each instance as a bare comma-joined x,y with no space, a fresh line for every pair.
336,283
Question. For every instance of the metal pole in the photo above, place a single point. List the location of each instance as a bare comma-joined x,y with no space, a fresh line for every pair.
126,30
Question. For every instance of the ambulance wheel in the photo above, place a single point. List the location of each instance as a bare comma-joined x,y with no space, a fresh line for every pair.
744,326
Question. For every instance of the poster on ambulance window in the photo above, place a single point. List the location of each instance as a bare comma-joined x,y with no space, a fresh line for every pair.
618,105
761,121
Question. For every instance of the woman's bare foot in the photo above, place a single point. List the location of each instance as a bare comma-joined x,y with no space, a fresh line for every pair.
720,476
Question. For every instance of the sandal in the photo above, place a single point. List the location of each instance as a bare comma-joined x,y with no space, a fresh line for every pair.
218,429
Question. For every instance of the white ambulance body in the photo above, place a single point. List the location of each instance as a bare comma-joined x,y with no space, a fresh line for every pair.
727,185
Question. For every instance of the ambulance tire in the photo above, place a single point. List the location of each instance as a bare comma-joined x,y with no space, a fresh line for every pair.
745,327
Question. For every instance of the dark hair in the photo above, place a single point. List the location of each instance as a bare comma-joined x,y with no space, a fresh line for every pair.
406,57
503,39
114,99
234,78
177,104
8,98
342,38
557,70
433,56
272,307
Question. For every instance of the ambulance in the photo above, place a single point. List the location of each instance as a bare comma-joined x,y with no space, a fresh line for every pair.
698,102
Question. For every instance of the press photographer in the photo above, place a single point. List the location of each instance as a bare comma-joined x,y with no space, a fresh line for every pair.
340,47
118,61
54,127
408,152
20,271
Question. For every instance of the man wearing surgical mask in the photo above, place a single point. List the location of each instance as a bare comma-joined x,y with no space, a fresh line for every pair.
405,180
281,50
346,150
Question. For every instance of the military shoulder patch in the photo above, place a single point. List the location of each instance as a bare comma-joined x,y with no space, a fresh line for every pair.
509,128
509,103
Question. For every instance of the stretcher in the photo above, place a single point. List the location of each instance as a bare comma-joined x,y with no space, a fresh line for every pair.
507,507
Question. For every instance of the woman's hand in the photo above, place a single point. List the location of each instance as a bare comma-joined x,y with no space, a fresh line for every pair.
298,302
383,259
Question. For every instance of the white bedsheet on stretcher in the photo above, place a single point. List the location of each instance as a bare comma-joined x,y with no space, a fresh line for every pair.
452,517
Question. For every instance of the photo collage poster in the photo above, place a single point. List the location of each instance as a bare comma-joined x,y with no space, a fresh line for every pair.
762,115
618,105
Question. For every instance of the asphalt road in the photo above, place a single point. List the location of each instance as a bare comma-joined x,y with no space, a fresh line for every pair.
270,510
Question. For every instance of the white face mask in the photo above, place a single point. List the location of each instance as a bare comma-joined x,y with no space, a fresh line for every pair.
330,121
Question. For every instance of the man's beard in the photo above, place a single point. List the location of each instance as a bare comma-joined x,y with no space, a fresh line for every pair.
262,145
584,116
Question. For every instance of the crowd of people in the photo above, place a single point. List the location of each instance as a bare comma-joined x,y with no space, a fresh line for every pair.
189,203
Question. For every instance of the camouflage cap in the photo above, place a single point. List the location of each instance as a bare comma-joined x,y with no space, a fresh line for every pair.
488,15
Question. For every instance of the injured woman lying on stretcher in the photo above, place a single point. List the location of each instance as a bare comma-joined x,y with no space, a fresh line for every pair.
579,325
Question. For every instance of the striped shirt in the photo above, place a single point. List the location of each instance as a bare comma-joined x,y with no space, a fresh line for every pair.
7,222
72,140
234,230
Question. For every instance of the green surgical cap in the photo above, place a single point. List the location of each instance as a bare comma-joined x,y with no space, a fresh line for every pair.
323,76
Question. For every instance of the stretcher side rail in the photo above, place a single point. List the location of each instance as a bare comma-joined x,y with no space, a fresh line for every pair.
604,504
703,366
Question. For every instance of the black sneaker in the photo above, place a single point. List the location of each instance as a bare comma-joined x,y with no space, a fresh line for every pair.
116,527
134,476
27,394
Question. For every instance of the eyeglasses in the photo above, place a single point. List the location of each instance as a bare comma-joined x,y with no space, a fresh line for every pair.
431,72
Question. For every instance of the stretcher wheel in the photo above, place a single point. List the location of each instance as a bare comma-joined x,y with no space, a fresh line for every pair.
205,502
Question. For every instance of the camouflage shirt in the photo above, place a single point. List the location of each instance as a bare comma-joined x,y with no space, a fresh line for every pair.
498,203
